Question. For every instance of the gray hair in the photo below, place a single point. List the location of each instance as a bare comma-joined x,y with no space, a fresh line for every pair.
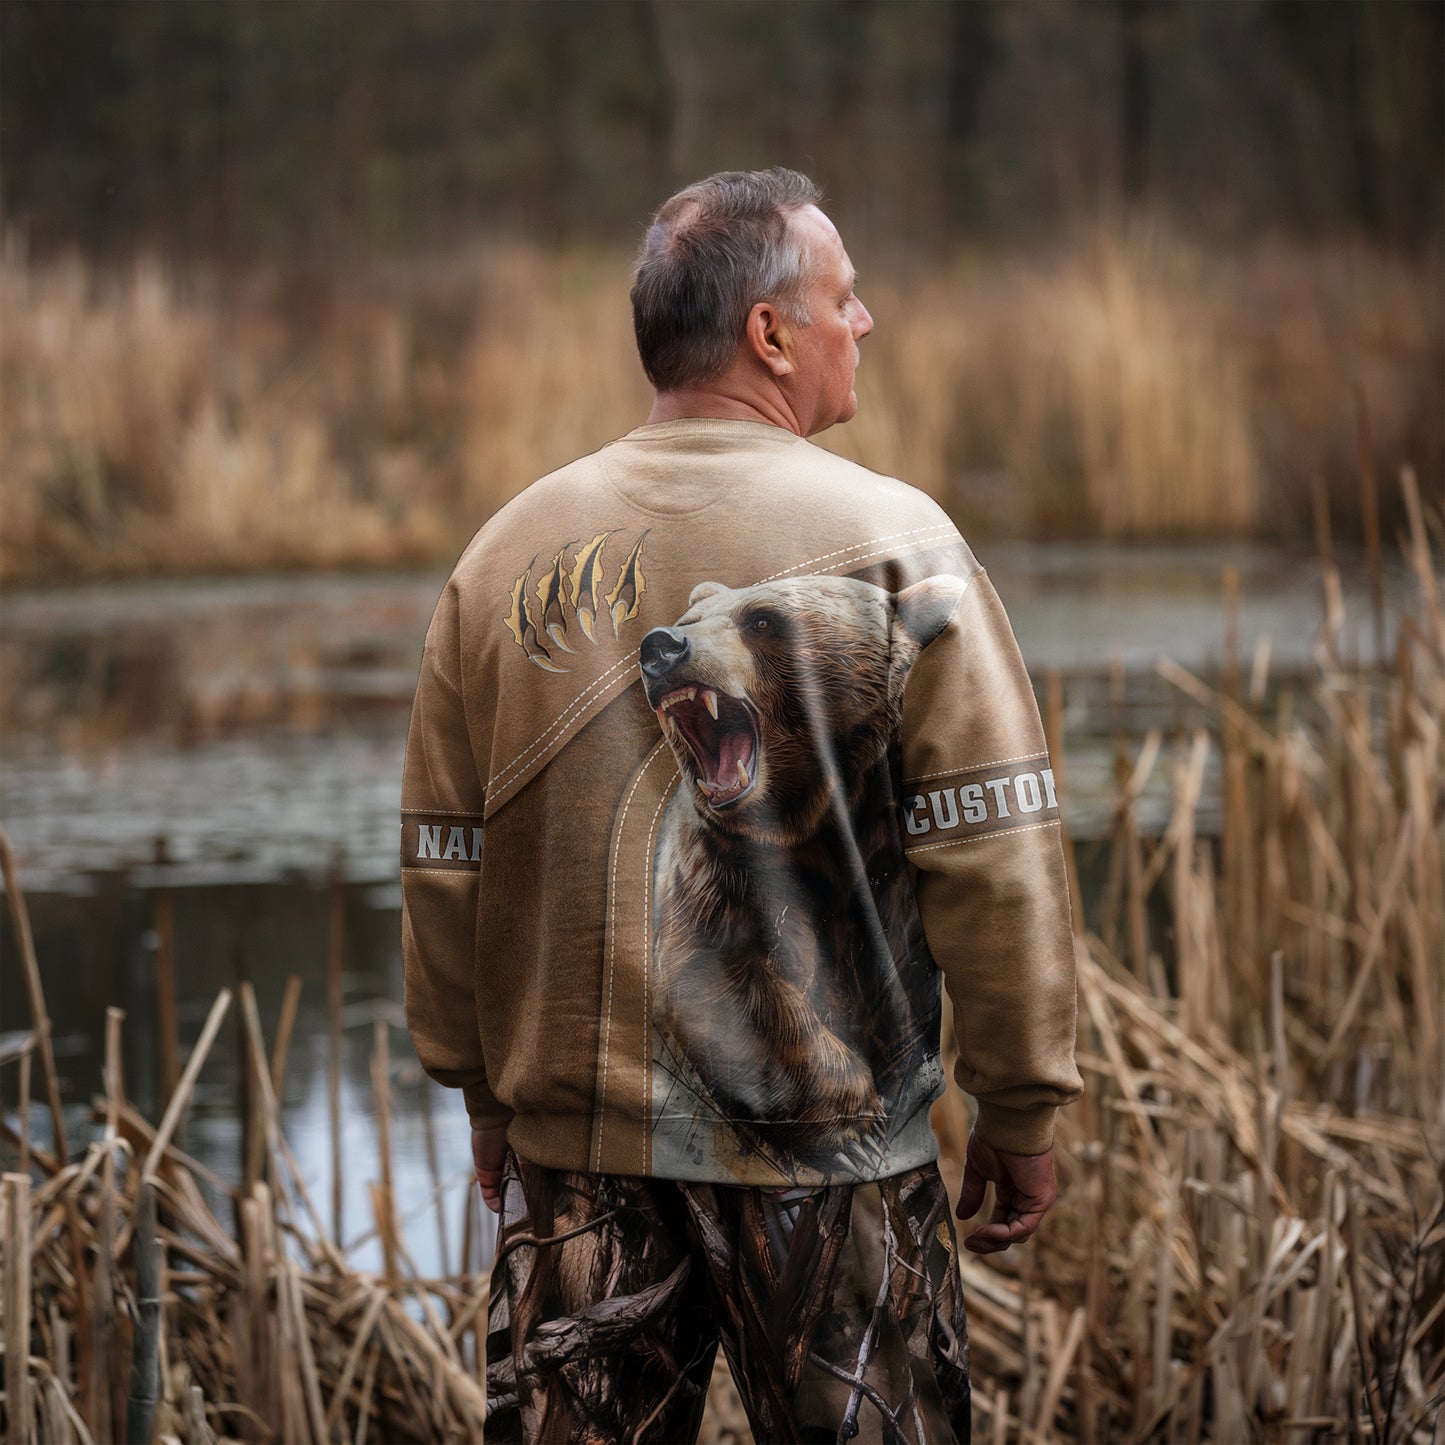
712,252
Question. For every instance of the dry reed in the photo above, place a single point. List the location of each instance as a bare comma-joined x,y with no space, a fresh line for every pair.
1129,385
265,1327
1250,1238
1097,392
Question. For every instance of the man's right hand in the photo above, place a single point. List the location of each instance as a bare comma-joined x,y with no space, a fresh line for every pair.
1023,1189
489,1149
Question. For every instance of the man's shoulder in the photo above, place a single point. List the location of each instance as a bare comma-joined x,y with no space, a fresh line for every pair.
536,502
685,481
883,493
843,498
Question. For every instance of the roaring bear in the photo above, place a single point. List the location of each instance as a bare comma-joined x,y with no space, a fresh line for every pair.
790,966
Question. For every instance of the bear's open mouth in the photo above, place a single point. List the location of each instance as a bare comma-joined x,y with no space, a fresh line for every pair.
721,735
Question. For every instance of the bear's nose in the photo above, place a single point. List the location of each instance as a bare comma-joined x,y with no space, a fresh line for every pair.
663,649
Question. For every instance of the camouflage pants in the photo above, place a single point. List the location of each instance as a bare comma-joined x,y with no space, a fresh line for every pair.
839,1309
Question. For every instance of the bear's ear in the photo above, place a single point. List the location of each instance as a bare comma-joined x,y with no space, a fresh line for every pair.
704,590
926,608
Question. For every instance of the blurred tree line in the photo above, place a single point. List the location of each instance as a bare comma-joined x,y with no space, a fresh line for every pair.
253,129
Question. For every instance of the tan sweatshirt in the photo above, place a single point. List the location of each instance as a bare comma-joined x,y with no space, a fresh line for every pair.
722,759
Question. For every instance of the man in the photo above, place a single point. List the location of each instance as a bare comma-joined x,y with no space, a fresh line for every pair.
722,758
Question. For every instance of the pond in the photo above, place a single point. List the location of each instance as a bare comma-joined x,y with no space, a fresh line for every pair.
235,747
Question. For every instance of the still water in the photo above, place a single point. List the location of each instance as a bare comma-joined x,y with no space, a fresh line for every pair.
238,742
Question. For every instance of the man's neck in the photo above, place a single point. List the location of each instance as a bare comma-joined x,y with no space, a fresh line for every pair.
704,402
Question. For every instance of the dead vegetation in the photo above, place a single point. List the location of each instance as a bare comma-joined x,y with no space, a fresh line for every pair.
1250,1238
1127,385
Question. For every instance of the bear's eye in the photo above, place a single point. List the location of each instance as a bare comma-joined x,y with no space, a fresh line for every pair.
766,624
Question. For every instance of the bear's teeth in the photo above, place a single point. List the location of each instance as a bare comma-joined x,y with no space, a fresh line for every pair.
709,698
702,788
743,779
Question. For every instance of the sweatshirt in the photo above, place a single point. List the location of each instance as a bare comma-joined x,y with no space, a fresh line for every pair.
722,763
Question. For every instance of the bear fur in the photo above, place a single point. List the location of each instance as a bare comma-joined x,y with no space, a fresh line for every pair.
790,967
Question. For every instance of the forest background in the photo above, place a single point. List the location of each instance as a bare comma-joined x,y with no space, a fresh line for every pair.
313,288
1139,267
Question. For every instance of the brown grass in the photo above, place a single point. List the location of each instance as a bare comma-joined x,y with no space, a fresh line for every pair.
1098,385
1130,385
1250,1238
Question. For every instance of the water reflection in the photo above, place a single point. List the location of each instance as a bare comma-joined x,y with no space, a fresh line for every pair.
100,950
257,726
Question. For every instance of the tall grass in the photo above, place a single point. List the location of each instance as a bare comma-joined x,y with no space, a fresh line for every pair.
1250,1240
1100,387
1129,385
1249,1243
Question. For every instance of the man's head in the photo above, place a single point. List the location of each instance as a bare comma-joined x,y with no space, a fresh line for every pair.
743,287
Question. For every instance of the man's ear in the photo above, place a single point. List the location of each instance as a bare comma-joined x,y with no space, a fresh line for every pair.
927,607
768,338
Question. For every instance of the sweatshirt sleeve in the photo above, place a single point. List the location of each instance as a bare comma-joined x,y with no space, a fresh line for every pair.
982,829
441,827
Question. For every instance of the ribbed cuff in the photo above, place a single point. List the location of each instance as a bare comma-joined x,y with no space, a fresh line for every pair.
483,1109
1017,1131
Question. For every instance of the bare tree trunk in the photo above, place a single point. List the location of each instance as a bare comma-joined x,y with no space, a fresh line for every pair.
684,67
1136,96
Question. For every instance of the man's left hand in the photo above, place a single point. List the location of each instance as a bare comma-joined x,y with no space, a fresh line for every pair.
1023,1189
489,1149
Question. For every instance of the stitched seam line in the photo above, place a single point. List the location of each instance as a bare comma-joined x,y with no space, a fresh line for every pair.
578,705
612,949
581,702
442,812
944,529
503,780
982,837
647,960
973,768
470,868
584,700
937,527
890,551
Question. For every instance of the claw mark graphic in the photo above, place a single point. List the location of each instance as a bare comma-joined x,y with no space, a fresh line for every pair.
520,625
623,600
586,581
549,594
562,592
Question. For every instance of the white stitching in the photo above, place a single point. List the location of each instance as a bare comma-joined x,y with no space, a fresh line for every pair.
473,869
945,528
941,527
444,812
579,702
612,950
667,794
973,768
981,837
584,699
884,552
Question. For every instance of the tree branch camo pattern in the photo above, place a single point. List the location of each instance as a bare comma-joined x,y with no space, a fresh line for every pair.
833,1304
